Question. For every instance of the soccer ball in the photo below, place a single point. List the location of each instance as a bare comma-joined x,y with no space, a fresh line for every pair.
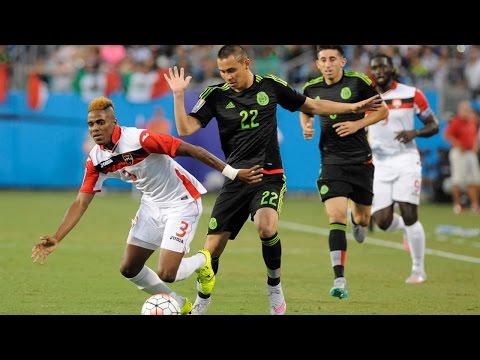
160,304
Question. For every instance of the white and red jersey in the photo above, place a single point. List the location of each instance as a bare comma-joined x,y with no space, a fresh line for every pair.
404,102
143,158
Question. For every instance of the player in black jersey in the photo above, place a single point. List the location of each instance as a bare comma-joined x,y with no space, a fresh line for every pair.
346,170
245,107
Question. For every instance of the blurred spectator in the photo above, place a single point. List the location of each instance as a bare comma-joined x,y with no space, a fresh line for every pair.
113,54
61,68
90,82
37,86
158,123
461,133
139,84
4,72
472,73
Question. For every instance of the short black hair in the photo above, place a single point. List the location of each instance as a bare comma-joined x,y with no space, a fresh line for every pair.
395,74
382,55
339,48
238,52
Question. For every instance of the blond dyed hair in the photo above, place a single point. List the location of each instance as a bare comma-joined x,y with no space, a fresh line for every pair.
100,103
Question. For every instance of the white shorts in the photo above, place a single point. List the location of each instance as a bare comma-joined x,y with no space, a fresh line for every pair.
398,178
172,228
464,167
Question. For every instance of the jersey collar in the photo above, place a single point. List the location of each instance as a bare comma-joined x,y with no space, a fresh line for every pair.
117,132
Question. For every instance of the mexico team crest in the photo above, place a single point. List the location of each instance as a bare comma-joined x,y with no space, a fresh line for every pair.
128,158
262,98
346,93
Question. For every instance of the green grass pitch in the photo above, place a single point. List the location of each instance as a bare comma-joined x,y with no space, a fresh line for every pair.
82,277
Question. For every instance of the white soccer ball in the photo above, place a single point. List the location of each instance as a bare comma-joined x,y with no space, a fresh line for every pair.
160,304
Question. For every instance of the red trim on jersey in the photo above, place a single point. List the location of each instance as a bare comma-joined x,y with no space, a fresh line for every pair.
404,105
122,164
90,178
274,171
158,143
192,190
420,100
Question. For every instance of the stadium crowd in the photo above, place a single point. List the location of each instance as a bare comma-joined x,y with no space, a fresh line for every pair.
137,71
63,66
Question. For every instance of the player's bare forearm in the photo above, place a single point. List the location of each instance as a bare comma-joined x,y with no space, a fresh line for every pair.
73,215
178,83
48,243
375,116
327,107
306,122
431,127
252,175
346,128
201,154
186,125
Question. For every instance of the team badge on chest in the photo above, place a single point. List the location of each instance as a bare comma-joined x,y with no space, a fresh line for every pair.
128,158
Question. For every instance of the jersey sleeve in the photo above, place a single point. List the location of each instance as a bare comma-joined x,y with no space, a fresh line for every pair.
202,111
90,182
366,89
288,97
158,143
422,107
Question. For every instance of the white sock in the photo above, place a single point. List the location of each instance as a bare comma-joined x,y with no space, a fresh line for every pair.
200,300
189,265
397,223
148,281
416,240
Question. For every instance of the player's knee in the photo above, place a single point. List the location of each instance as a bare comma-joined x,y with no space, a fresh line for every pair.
267,230
410,219
382,224
130,270
382,220
167,275
362,219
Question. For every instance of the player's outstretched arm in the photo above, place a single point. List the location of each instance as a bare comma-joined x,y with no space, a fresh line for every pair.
251,176
186,125
48,243
327,107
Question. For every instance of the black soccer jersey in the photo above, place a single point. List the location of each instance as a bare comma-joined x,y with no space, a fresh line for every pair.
352,87
247,120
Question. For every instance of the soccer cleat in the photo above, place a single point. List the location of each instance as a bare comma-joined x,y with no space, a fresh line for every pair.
206,276
339,288
278,306
417,277
187,307
358,231
201,305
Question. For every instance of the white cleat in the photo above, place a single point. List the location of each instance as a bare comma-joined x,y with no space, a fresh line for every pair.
358,231
417,277
278,306
201,305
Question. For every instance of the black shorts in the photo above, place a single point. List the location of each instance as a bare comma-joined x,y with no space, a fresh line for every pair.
352,181
238,200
